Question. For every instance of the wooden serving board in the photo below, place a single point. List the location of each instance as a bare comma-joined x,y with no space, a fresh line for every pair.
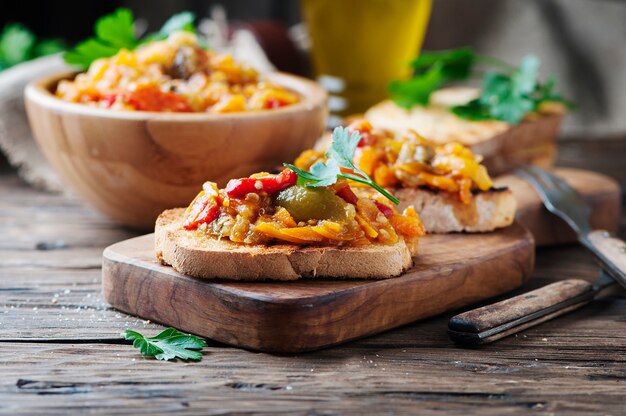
601,193
450,272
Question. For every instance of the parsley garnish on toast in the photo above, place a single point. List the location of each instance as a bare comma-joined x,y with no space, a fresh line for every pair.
339,164
508,93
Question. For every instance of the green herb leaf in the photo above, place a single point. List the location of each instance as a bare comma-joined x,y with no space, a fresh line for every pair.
321,174
168,345
16,43
473,110
113,32
179,22
506,97
525,78
508,94
431,70
117,29
456,64
48,47
417,90
339,155
343,146
545,93
88,51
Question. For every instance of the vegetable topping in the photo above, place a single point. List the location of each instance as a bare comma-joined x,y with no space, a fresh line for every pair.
305,207
298,214
410,161
168,71
271,184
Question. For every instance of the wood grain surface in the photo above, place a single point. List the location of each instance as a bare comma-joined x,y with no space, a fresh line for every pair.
611,248
60,350
490,316
312,313
601,192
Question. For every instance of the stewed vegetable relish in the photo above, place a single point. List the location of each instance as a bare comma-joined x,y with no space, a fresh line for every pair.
412,161
174,75
264,209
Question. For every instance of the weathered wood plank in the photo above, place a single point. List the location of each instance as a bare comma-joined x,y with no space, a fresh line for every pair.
69,359
399,371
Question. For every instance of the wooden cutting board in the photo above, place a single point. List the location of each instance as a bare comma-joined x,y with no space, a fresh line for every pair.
451,271
601,193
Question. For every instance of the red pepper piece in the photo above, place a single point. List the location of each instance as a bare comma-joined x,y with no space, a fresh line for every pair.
108,99
346,193
385,209
364,128
275,103
204,209
271,184
366,139
151,98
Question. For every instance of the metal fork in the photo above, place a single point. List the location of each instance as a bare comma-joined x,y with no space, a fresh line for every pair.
563,200
492,322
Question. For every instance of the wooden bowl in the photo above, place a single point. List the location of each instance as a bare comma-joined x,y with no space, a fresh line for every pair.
133,165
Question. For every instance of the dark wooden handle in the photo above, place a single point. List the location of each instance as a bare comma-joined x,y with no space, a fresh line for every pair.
611,251
495,321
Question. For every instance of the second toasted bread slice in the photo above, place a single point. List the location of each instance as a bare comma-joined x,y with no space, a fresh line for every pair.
443,212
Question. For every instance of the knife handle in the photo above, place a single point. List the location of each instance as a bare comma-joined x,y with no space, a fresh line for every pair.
611,251
498,320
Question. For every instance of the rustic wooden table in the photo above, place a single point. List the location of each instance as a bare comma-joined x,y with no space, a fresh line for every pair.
60,350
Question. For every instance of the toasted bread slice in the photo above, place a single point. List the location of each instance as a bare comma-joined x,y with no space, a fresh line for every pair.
443,212
503,146
195,254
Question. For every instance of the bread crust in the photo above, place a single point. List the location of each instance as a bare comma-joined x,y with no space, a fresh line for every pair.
195,254
443,212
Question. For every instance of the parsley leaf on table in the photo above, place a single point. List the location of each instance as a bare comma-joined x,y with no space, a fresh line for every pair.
339,155
168,345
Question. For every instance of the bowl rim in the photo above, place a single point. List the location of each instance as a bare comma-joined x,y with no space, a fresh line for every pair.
312,96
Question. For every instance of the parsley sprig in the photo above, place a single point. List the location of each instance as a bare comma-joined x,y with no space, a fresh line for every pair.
18,44
508,93
116,31
168,345
339,155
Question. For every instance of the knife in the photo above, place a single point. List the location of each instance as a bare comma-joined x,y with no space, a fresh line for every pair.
507,317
